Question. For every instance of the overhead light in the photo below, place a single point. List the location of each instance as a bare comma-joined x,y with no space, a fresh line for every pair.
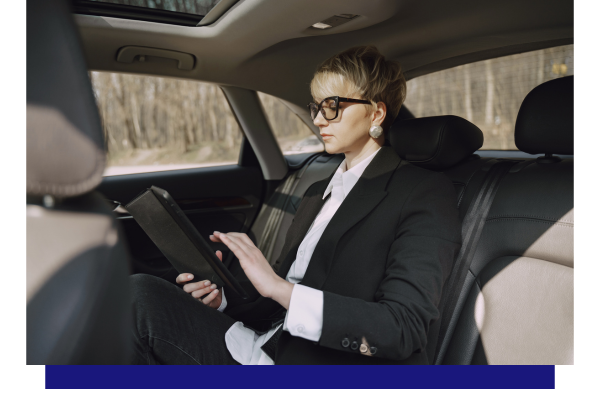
334,21
320,25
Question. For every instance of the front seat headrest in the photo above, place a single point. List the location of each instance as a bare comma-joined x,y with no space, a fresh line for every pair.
435,142
545,120
65,144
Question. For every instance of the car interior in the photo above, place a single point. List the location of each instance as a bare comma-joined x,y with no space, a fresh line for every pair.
509,298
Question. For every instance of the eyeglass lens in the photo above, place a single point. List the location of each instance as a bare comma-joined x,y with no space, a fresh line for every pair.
328,107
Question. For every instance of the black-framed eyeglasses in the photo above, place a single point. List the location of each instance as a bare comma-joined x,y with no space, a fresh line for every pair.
330,106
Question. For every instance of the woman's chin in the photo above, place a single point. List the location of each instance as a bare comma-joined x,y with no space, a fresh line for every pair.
331,149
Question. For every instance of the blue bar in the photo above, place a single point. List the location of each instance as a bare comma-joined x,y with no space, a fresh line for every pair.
313,377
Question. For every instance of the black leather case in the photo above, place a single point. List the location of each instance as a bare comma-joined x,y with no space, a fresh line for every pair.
173,233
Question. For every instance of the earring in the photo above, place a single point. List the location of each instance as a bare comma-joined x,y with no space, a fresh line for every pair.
375,131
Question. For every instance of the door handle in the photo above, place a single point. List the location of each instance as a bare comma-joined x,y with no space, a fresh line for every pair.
117,207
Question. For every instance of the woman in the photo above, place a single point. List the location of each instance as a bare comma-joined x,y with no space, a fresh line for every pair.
361,271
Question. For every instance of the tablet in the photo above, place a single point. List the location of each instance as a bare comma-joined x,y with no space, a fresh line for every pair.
168,227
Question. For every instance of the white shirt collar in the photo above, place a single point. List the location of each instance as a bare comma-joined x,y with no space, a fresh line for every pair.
347,179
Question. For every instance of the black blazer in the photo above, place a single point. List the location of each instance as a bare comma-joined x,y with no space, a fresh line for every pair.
381,263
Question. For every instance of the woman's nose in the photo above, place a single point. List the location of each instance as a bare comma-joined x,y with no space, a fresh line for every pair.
320,120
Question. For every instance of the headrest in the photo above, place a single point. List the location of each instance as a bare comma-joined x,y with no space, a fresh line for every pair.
435,142
65,145
545,120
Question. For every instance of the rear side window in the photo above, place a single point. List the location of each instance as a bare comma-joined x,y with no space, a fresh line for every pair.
488,93
156,124
292,134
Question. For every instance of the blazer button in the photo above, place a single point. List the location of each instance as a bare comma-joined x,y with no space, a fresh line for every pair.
345,342
354,345
373,350
363,348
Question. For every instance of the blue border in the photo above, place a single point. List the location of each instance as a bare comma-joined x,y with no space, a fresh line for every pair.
312,377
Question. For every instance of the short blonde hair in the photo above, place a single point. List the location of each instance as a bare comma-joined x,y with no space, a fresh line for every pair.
362,71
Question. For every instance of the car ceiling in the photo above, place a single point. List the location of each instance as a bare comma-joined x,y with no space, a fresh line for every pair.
266,45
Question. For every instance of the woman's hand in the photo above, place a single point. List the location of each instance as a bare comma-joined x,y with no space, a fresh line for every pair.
199,289
256,267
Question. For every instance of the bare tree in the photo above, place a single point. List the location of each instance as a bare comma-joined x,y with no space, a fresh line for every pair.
468,107
489,99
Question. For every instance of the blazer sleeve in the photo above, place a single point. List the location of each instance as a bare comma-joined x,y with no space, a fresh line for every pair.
420,258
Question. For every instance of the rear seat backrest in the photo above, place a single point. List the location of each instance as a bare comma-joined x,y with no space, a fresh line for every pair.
519,302
276,216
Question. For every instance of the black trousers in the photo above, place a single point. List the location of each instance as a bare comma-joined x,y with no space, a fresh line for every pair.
172,327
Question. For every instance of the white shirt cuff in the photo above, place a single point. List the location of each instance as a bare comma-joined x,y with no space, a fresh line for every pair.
305,315
223,301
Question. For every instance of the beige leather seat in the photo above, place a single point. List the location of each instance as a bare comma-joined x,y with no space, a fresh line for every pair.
517,303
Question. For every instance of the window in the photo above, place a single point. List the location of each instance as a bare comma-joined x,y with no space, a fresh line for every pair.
488,93
291,132
156,124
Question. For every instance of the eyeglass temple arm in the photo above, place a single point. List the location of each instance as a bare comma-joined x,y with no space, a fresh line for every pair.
354,100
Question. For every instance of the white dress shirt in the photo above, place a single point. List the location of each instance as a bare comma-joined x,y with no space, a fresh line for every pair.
305,314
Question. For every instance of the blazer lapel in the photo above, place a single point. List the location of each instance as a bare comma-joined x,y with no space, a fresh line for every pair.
362,199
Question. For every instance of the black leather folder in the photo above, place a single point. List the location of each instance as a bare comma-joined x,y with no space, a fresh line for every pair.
173,233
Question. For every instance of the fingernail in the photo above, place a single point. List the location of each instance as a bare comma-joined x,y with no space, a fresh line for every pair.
213,287
216,232
216,291
206,283
190,276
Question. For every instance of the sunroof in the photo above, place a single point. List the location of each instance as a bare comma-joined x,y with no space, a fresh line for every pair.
198,7
178,12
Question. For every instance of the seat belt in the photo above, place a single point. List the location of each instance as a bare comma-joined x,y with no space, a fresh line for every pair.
471,232
284,192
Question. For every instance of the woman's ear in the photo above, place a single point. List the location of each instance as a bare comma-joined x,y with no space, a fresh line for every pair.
379,114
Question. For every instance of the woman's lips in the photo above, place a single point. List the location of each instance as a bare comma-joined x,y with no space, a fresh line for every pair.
325,136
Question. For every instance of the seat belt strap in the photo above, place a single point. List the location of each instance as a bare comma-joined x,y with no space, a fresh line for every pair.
472,228
284,193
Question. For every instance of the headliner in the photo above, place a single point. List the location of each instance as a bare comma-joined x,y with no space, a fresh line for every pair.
265,45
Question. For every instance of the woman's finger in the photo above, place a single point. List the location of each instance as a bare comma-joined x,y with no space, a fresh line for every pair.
190,287
202,292
182,278
215,239
234,245
213,295
241,236
219,255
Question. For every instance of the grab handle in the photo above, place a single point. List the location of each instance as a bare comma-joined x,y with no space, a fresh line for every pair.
128,53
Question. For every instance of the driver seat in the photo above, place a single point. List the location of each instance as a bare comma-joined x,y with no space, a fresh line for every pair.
77,265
